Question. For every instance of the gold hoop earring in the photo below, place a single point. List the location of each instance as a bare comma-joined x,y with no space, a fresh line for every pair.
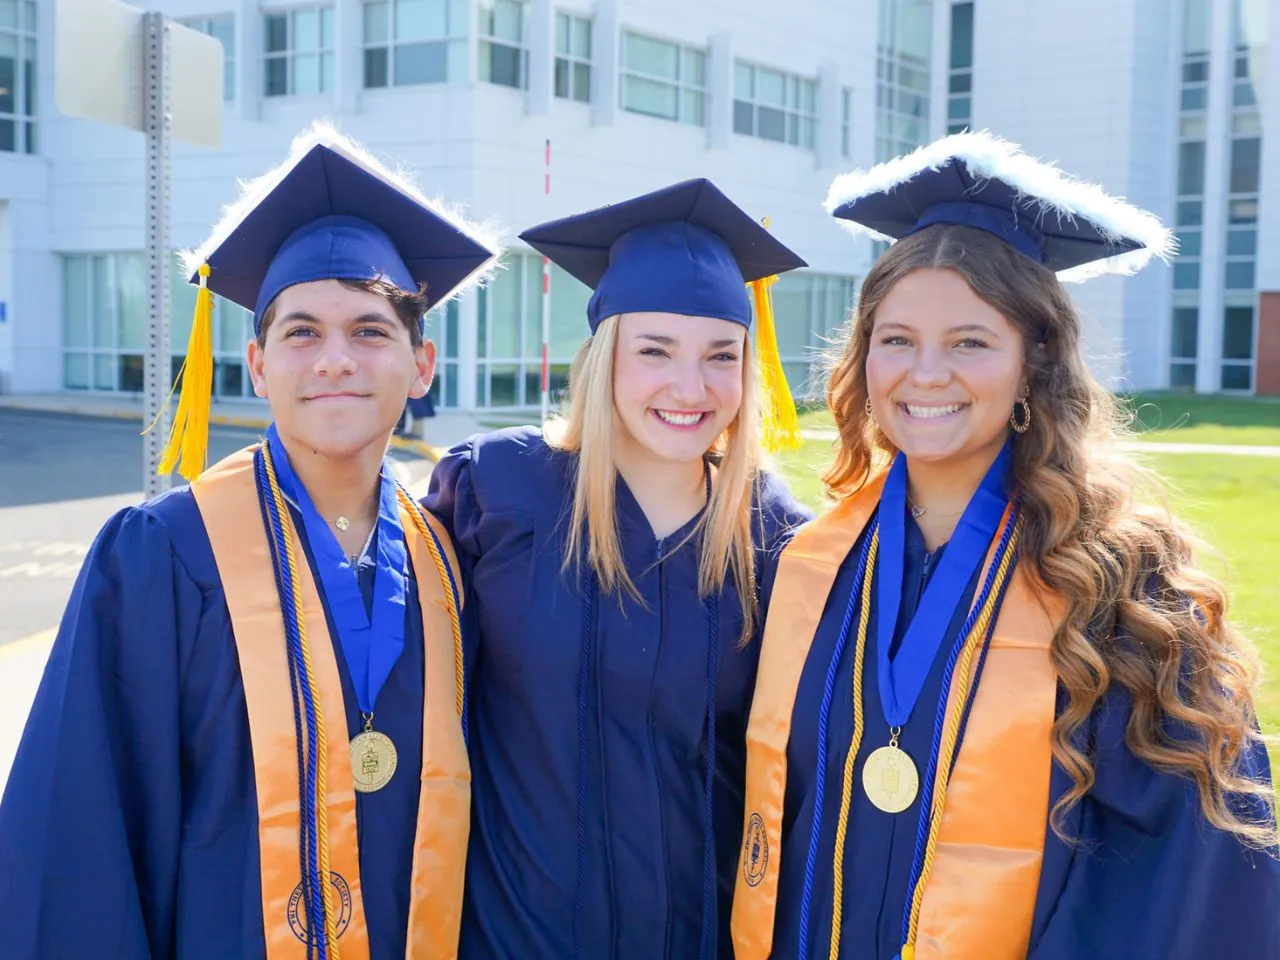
1025,424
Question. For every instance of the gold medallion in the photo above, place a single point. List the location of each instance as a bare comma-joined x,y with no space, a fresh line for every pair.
373,760
890,779
342,523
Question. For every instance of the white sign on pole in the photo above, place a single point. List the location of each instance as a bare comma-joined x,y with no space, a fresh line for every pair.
120,65
99,53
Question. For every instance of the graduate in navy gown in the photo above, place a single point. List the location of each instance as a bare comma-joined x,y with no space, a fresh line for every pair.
1000,712
613,562
182,698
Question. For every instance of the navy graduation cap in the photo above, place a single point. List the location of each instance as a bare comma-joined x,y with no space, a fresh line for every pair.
329,212
685,249
332,212
978,180
704,248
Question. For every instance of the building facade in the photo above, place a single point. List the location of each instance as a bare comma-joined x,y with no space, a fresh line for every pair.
488,101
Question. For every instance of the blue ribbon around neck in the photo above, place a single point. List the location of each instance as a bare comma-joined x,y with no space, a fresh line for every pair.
370,645
902,677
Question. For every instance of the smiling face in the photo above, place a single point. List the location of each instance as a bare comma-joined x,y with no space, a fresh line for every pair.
944,369
336,365
677,383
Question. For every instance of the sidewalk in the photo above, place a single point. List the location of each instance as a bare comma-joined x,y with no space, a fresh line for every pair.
21,666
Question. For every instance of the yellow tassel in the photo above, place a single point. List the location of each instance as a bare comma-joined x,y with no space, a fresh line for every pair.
781,424
908,952
189,437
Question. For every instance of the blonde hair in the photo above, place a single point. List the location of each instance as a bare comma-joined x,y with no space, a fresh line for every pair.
1140,612
725,526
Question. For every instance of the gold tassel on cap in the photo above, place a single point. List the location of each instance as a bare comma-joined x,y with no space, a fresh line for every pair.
781,424
189,437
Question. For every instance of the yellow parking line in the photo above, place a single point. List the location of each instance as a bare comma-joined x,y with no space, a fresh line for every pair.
26,643
423,449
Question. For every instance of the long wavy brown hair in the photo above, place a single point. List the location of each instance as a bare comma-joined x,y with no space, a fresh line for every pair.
1139,611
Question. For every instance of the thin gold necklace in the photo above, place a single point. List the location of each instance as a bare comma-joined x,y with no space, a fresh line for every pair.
918,511
342,522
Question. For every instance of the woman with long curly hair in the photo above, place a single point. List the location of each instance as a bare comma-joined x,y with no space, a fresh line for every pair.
612,561
1001,711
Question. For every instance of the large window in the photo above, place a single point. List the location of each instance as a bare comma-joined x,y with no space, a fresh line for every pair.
223,29
1249,31
905,34
503,57
1237,347
299,51
1189,206
1190,212
573,58
809,307
1182,352
103,317
509,334
663,79
18,76
414,41
442,328
960,76
104,321
1242,212
773,105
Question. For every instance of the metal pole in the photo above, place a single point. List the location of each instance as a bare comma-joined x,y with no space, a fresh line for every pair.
157,120
546,304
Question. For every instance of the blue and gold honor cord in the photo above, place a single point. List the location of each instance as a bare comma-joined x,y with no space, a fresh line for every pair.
309,730
975,637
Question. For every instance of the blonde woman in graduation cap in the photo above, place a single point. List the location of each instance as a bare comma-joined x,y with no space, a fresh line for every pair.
1001,711
612,566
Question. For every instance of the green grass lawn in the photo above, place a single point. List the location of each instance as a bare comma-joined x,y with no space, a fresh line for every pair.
1187,418
1233,502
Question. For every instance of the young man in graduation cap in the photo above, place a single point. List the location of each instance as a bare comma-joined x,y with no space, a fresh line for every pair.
613,563
1001,713
249,739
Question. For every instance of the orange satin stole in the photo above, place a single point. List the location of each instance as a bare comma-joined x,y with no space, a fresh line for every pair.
981,895
228,500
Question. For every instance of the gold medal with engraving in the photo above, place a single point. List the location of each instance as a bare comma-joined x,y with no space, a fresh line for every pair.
373,759
889,777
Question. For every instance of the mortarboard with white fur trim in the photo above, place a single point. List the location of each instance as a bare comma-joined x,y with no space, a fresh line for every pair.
976,179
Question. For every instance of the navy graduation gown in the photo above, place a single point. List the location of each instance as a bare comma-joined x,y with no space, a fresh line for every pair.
505,498
1147,879
129,825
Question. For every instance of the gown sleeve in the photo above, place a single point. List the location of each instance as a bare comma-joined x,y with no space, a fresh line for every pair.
451,499
782,515
91,819
1149,876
